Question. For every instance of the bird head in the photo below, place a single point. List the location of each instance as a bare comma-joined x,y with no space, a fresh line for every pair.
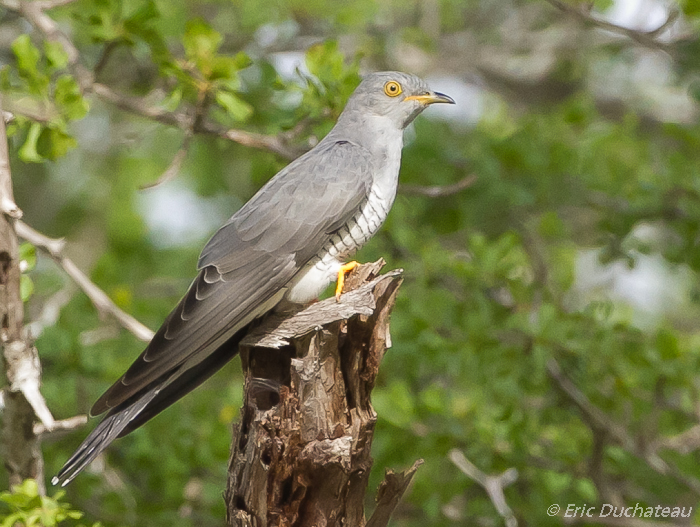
397,96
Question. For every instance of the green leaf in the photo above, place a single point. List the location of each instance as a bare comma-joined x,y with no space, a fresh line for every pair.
143,25
69,99
667,344
143,16
26,287
28,487
16,499
201,43
28,151
325,61
336,81
31,509
691,8
172,100
5,78
242,60
227,68
395,404
12,519
27,253
54,142
56,55
600,5
27,55
236,108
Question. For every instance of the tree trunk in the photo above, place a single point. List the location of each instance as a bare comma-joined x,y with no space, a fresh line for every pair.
20,445
301,452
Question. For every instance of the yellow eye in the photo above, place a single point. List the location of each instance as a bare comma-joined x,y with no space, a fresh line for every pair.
392,88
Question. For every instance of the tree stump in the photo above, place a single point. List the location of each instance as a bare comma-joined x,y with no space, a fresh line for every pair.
301,452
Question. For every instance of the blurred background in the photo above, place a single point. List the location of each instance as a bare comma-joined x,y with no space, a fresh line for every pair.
548,225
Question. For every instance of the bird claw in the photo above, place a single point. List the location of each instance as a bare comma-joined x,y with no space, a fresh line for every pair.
344,269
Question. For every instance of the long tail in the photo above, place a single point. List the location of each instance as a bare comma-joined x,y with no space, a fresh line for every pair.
140,408
105,432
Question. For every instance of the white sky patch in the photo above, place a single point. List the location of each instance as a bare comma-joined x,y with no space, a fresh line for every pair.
177,216
637,14
269,35
652,286
286,63
469,101
94,132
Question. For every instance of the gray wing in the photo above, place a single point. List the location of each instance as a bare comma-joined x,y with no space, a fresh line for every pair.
247,263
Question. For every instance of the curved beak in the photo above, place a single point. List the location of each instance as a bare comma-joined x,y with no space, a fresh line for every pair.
431,98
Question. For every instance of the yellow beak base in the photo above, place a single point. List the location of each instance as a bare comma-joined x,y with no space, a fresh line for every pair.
431,98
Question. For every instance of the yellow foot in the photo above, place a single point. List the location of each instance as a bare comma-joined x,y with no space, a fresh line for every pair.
344,269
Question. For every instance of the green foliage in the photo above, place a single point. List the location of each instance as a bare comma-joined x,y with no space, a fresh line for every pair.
38,87
215,73
27,508
332,81
27,258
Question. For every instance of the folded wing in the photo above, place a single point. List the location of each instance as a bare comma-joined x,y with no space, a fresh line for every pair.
251,258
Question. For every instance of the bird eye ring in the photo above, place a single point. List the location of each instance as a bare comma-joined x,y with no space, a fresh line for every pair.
392,88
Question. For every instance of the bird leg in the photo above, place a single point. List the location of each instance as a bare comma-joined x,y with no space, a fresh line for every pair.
344,269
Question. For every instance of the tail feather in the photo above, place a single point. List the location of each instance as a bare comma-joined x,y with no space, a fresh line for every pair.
186,382
141,407
105,432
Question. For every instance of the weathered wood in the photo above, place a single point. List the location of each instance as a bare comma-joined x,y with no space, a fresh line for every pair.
389,494
301,452
20,445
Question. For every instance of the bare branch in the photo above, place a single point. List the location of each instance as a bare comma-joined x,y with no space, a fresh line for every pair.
272,143
24,375
21,367
64,425
599,418
645,38
685,442
45,5
140,107
34,13
7,201
54,248
174,166
670,19
493,485
181,120
438,191
101,62
391,489
602,421
50,311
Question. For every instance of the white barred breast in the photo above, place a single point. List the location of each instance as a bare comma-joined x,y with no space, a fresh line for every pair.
323,268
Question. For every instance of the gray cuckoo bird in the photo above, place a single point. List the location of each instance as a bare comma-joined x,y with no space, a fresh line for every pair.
288,243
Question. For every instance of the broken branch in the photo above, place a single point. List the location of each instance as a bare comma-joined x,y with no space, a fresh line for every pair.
54,248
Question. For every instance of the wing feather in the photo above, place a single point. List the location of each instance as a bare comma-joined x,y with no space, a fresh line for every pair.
250,259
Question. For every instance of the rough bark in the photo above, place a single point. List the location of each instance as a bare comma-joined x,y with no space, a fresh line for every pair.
21,448
301,452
